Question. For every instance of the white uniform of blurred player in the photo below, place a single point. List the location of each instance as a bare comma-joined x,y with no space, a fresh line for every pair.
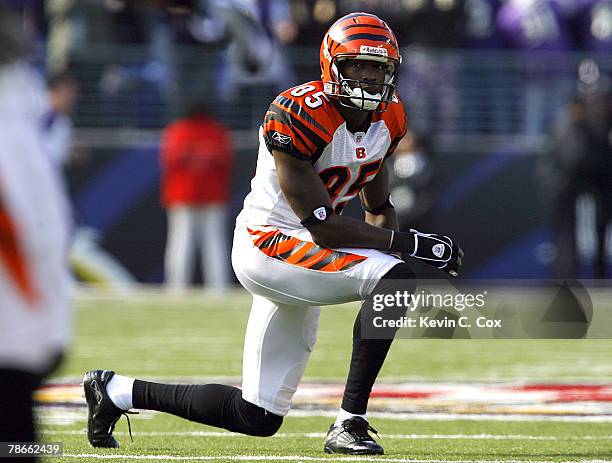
34,222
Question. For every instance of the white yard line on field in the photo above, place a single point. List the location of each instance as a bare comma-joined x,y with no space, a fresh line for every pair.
300,458
69,415
320,435
462,416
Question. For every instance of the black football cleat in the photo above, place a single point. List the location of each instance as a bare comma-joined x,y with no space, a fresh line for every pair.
103,414
352,438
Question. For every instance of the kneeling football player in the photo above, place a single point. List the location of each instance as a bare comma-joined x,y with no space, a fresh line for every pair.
321,144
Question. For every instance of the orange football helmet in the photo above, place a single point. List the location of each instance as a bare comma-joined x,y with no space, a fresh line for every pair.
359,36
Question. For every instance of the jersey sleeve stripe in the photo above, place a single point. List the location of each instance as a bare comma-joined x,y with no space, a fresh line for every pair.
274,126
304,142
13,258
275,114
309,132
300,143
308,135
299,111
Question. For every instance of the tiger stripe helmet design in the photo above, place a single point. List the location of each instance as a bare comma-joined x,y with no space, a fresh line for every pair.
359,36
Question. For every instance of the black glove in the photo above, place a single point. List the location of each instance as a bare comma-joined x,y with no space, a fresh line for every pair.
436,250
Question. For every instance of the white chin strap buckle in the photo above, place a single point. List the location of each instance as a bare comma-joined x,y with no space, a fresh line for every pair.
365,100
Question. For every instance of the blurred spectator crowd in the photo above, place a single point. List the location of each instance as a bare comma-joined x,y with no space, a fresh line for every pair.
511,70
251,42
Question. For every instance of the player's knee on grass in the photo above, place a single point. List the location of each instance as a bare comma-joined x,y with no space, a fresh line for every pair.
223,406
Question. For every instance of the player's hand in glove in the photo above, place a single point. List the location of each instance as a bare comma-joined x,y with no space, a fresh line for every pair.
436,250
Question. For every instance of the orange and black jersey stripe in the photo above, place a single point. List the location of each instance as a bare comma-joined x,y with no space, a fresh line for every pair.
304,125
293,127
305,254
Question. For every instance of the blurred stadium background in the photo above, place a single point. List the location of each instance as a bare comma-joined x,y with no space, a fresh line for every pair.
483,80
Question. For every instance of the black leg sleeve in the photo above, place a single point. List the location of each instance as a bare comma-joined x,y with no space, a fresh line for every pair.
212,404
16,418
369,355
366,361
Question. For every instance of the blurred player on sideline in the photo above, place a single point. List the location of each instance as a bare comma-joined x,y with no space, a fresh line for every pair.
321,144
196,162
34,222
63,96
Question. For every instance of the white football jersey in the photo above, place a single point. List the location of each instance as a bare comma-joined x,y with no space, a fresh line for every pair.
303,122
34,230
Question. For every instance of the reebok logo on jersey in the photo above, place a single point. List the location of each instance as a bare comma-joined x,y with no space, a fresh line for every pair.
373,50
320,213
281,138
438,250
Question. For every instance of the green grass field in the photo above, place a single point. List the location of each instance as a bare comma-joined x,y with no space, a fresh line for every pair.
198,337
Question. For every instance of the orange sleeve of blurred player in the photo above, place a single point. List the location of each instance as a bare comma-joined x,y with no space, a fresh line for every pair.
12,258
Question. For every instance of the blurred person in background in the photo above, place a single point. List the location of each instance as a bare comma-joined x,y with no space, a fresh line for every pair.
541,29
414,191
196,162
412,182
66,31
594,25
35,315
89,261
431,28
254,64
487,103
63,95
147,78
312,18
578,161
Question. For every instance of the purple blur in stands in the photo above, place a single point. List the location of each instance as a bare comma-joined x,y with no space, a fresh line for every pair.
594,22
534,25
480,31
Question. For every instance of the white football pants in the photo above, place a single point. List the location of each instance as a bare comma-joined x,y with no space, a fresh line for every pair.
191,228
284,317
